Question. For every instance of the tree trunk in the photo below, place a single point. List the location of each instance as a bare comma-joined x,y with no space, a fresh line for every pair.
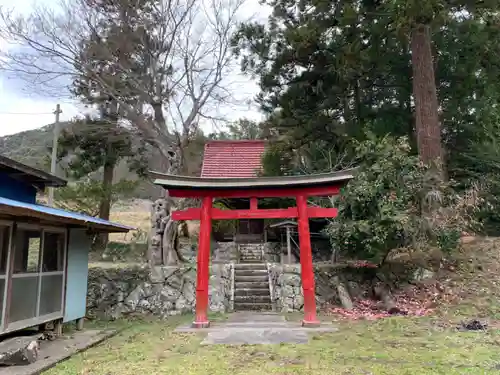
428,127
105,205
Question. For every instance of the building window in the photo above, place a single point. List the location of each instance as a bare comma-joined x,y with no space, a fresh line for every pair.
52,276
27,250
38,273
53,251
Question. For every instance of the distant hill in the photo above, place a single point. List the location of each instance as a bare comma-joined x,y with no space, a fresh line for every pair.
32,147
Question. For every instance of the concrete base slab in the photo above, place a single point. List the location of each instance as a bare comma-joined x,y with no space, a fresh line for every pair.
53,352
257,325
198,325
252,317
256,328
249,328
311,324
255,337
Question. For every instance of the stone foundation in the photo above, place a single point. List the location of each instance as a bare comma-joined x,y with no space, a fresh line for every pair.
286,285
167,291
163,292
224,252
272,252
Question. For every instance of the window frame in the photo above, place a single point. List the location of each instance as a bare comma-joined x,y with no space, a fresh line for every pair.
6,275
7,325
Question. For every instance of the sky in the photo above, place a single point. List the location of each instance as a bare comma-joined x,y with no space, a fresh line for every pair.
20,110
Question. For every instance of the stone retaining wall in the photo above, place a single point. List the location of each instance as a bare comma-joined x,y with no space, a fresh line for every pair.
172,290
286,285
163,292
224,252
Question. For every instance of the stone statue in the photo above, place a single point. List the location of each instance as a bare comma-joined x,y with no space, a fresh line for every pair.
164,238
170,243
158,215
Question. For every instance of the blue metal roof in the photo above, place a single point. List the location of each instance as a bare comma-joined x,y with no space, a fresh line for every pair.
17,208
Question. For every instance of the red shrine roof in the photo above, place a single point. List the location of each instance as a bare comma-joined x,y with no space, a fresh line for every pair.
232,159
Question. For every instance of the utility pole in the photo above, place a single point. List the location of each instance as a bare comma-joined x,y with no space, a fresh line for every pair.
53,161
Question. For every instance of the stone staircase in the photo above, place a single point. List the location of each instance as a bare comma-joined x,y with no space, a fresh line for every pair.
251,280
250,252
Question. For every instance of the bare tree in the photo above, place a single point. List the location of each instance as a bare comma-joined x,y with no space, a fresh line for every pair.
166,65
174,55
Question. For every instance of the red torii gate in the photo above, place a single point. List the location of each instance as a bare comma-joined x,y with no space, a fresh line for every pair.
299,187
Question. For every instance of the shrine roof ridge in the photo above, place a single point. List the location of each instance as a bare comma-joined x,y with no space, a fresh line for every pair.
214,183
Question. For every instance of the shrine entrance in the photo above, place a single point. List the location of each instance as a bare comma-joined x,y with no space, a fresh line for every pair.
298,187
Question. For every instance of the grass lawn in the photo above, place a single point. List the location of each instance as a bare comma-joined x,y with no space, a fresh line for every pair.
394,346
391,346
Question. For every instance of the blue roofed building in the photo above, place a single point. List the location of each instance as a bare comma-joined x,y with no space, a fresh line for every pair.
43,252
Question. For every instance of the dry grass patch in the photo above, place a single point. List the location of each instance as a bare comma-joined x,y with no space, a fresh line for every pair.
137,219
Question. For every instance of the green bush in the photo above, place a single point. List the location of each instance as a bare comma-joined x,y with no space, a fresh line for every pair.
395,203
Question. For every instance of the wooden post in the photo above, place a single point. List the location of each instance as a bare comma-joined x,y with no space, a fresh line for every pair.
79,324
11,259
289,244
58,327
307,272
53,161
254,204
202,270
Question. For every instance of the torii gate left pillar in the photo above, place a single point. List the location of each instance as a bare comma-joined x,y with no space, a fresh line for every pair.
203,264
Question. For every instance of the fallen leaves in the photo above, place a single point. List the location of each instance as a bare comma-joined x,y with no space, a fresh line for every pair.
417,300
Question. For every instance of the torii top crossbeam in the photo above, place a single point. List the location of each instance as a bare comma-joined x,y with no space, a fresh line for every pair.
323,184
298,187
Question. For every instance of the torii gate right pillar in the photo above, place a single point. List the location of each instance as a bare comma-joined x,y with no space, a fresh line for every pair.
306,262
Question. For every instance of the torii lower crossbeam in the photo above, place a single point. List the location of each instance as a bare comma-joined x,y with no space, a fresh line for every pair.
254,213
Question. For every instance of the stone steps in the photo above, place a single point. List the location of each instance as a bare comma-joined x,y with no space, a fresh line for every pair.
250,266
245,306
254,272
251,291
252,260
255,278
251,285
253,299
250,253
252,256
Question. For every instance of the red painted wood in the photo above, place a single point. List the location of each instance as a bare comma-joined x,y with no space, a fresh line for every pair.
187,214
277,213
202,271
307,271
254,203
316,191
318,212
